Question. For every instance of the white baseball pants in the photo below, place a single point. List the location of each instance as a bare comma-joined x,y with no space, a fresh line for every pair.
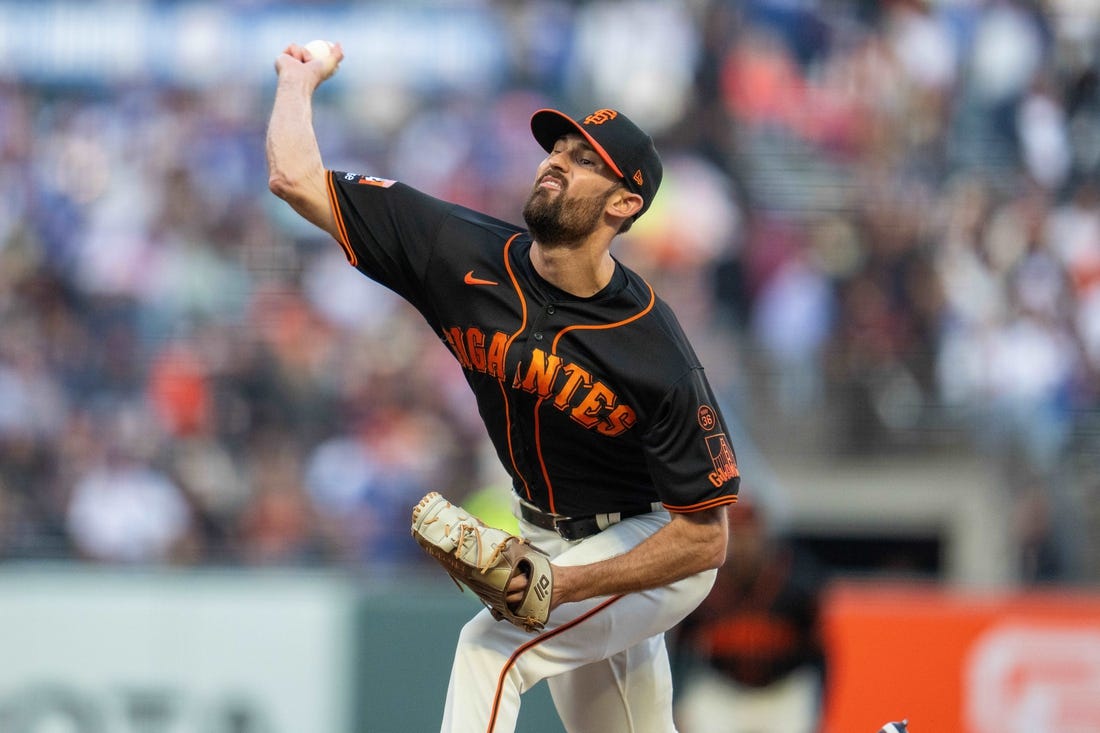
604,659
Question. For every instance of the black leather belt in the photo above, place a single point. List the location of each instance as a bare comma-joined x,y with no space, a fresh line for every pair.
577,528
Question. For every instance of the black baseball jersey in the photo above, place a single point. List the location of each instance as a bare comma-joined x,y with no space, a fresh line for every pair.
594,404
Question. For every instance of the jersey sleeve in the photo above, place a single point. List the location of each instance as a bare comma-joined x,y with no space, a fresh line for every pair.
688,448
388,230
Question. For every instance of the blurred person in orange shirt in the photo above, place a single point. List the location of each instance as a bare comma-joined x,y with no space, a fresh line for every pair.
751,656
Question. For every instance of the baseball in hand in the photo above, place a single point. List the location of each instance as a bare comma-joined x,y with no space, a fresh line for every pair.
322,50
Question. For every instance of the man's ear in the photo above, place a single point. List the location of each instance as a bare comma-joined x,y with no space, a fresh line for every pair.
624,203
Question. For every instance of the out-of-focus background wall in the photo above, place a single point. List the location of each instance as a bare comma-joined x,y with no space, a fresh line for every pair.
880,223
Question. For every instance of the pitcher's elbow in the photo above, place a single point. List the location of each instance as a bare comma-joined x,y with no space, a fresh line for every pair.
718,549
717,557
280,185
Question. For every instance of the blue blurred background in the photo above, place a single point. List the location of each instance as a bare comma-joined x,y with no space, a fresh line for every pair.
880,223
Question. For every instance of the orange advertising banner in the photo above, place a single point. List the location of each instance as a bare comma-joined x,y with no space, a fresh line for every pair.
961,662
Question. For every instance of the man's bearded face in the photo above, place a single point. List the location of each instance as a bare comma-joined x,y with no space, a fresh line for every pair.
556,218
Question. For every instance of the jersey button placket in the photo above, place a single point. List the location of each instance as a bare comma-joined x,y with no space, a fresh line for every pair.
540,322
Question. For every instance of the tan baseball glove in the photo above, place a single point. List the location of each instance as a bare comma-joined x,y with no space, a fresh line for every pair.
485,559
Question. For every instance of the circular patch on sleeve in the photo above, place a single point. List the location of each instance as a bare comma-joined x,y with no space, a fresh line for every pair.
707,419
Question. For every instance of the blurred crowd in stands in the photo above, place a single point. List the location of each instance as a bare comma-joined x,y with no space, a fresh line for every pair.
882,214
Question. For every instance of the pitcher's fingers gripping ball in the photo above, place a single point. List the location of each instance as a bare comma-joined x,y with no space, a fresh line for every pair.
485,559
323,51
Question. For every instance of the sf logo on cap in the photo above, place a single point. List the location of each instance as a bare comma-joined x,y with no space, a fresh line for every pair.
600,116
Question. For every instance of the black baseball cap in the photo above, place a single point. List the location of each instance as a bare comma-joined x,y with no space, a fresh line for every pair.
626,149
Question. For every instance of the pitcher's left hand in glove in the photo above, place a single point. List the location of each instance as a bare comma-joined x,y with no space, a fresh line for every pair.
485,559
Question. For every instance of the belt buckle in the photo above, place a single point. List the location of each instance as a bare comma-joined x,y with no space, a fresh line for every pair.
563,526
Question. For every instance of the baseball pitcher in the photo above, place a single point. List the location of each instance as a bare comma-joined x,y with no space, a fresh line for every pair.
598,408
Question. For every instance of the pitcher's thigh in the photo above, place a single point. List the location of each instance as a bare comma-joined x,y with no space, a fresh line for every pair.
630,692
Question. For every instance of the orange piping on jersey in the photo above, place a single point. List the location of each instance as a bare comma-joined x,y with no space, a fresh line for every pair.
519,293
507,347
538,452
554,350
511,454
708,504
345,243
603,326
534,642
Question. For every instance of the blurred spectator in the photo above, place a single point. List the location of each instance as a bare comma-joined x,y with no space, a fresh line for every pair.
277,526
792,320
123,510
751,655
127,514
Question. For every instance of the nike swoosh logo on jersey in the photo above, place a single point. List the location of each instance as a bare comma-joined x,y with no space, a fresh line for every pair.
471,280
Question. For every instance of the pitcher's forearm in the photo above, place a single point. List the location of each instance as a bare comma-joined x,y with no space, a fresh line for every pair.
296,171
689,544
